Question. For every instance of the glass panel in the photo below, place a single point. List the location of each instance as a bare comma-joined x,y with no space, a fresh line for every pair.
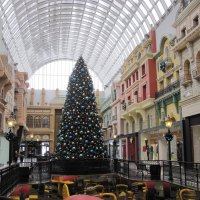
161,9
155,14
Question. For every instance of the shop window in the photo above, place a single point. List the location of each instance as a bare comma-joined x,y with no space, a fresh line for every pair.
196,21
29,121
45,122
37,122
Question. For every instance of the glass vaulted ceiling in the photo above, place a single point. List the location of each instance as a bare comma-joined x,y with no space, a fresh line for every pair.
104,32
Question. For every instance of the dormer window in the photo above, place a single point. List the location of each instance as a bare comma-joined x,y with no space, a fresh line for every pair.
138,55
183,32
196,21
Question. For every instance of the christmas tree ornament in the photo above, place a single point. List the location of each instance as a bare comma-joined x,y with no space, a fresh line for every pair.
79,134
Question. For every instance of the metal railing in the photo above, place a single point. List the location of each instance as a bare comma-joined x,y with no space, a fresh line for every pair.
9,178
168,89
184,173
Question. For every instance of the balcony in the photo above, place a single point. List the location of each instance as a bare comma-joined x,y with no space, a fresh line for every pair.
196,74
191,35
186,80
168,89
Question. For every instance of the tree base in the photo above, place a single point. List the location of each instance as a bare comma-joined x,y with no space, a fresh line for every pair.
81,167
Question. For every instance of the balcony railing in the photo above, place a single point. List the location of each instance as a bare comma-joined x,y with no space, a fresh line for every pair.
168,89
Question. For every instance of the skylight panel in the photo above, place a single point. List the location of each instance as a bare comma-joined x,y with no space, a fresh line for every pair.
126,11
139,16
148,3
128,4
143,9
104,3
5,2
135,22
168,3
150,20
117,4
155,14
161,9
145,27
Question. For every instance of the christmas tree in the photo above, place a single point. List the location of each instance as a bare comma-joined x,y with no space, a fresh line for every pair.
80,135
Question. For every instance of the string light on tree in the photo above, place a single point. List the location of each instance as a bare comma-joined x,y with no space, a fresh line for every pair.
80,135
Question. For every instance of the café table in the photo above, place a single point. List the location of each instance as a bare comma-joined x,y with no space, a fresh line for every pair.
82,197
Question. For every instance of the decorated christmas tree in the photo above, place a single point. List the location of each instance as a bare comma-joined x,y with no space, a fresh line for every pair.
80,135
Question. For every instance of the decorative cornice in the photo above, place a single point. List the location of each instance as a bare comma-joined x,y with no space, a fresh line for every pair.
184,14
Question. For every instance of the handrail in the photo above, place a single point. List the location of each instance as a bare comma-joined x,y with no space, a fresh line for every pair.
185,174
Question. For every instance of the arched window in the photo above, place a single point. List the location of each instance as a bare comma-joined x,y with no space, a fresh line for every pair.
187,73
45,122
37,122
29,121
198,62
167,53
140,123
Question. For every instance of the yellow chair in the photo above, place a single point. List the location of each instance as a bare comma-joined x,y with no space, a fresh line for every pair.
65,191
15,197
106,195
188,194
99,188
33,197
121,191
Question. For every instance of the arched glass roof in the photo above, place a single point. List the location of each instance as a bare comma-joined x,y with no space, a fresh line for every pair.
104,32
55,75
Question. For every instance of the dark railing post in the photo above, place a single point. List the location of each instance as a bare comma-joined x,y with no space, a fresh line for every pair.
197,175
128,169
180,173
185,174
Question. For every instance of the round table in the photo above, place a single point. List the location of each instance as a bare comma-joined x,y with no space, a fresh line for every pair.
82,197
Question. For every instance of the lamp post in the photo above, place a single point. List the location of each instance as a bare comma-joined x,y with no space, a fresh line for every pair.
114,146
169,138
31,136
147,147
10,136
